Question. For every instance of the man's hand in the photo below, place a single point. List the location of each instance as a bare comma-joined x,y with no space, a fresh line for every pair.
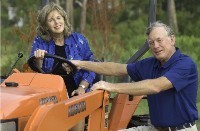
76,63
67,68
102,85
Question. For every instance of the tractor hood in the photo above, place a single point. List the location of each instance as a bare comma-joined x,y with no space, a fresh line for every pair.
33,90
19,102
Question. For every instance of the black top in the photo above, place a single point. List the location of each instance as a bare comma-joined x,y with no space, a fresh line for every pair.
68,78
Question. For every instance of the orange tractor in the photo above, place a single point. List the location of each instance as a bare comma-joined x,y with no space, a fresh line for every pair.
39,102
29,104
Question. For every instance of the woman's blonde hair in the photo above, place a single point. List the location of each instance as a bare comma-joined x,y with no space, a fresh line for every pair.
42,29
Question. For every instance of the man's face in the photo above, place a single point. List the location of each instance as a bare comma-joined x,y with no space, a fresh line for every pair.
161,44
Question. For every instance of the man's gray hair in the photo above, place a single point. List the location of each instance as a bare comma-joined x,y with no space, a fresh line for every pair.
159,24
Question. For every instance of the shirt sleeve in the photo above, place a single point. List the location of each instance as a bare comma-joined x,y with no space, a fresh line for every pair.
87,55
182,74
38,43
133,71
140,70
35,46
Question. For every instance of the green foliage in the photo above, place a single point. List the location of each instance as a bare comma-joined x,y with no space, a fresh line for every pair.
188,17
188,25
14,39
114,35
190,46
4,13
25,6
10,49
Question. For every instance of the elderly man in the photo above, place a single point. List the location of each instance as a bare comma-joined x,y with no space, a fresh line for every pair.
169,79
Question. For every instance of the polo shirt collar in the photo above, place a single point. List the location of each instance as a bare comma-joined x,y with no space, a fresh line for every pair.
170,61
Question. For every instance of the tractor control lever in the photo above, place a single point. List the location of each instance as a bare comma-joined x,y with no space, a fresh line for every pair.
20,55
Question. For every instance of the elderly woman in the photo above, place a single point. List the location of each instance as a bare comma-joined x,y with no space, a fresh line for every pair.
55,36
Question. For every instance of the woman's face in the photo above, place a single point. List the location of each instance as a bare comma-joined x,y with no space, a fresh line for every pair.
55,22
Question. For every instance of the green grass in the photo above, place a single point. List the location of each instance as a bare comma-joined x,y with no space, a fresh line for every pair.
198,122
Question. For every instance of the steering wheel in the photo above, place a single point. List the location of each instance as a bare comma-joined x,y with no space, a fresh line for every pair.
60,60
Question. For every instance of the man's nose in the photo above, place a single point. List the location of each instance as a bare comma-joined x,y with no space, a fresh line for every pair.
156,44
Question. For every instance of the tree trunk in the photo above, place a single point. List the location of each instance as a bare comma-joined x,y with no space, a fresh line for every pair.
69,9
171,15
57,2
83,16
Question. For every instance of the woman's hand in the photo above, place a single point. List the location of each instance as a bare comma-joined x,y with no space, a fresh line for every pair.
78,91
81,89
39,54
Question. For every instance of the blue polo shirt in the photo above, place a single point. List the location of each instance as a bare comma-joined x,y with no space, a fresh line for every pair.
177,105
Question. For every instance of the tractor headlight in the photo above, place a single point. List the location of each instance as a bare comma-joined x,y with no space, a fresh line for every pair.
8,125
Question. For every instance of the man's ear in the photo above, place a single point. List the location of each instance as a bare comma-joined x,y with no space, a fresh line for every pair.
173,40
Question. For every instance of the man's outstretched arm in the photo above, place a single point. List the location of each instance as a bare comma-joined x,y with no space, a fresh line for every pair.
144,87
104,68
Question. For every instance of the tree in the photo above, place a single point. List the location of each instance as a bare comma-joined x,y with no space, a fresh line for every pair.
70,9
83,6
171,15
